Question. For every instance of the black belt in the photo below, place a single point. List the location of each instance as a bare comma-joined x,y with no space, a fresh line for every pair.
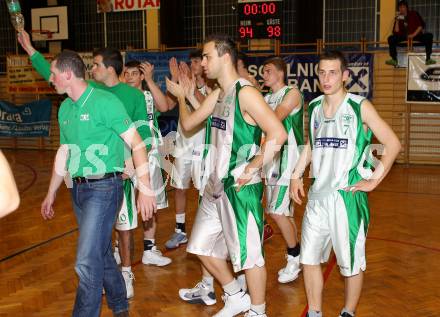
90,179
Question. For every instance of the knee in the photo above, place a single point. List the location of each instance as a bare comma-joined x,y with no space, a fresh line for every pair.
88,275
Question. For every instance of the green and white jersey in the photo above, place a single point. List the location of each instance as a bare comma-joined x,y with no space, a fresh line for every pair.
186,143
279,171
340,146
233,142
153,125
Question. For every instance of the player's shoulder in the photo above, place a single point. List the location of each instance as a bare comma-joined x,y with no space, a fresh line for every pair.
356,99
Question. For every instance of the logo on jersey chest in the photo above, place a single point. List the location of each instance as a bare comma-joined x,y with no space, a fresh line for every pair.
347,120
84,117
335,143
218,123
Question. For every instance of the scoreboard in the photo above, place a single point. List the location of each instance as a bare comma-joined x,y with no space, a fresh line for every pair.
259,19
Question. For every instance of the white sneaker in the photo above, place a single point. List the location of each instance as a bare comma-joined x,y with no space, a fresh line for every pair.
117,256
155,257
200,294
251,313
241,279
234,304
129,278
291,271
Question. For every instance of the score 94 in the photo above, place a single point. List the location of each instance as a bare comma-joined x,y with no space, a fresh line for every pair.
274,31
246,32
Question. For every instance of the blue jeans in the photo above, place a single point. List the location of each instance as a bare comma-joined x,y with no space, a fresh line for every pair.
96,205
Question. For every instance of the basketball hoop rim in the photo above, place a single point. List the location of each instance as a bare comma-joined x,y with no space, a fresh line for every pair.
44,34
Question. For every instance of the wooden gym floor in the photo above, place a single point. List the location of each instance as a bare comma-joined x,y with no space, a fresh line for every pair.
403,254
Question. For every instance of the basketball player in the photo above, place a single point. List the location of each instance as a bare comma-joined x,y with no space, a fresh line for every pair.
229,221
187,152
140,76
287,102
337,214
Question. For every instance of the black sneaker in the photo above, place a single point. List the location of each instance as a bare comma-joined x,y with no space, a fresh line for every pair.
345,314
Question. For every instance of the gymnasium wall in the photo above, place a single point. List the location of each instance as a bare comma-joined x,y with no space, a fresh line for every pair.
417,125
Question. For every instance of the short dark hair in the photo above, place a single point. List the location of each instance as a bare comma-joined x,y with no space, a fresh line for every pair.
335,55
402,3
132,64
195,54
224,44
276,61
110,57
70,60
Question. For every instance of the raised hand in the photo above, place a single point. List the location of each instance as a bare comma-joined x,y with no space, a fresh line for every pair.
25,42
174,69
185,70
148,70
174,88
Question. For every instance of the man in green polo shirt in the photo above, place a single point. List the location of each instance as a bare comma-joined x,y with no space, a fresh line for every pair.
92,123
107,66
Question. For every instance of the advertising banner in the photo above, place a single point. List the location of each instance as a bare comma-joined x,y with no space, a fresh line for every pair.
28,120
302,71
23,79
126,5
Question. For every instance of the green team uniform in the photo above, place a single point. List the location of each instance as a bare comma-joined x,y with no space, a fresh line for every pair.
279,171
333,216
157,180
230,222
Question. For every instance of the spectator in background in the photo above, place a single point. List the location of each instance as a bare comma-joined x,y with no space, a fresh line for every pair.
9,198
408,24
104,6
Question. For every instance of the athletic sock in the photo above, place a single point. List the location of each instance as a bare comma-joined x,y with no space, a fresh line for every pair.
126,269
180,222
148,244
259,309
314,313
294,251
351,313
232,288
208,281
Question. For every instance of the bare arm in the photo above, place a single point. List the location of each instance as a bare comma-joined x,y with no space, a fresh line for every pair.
58,173
190,120
253,104
9,198
386,136
160,100
291,101
174,72
25,42
396,25
416,32
296,182
146,201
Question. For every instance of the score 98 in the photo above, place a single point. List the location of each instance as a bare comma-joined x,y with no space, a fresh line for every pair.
274,31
